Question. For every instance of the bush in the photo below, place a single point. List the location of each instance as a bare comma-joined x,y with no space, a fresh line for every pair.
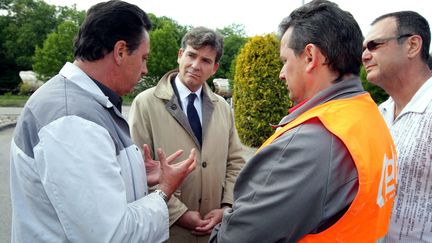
260,98
26,89
145,83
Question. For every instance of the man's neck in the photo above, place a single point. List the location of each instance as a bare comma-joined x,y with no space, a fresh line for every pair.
406,87
99,70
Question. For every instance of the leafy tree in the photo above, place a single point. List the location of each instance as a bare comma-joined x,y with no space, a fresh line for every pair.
377,93
32,20
56,50
164,49
165,43
24,27
234,39
233,29
70,14
260,98
161,22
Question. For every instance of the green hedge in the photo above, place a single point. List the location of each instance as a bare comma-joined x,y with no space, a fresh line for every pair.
260,97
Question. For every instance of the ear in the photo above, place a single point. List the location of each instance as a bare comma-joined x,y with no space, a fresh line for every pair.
179,55
215,68
120,51
415,44
311,57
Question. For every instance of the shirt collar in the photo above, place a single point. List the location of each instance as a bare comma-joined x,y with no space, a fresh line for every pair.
115,99
417,104
421,99
292,109
185,91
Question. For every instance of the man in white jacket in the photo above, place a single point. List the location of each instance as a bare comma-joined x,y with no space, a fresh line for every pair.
76,176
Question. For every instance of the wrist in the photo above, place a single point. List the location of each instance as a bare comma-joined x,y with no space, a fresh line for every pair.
162,194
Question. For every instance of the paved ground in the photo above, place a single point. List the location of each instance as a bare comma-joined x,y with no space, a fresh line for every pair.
8,116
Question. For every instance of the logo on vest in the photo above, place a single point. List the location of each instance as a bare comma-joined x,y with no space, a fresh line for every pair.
387,186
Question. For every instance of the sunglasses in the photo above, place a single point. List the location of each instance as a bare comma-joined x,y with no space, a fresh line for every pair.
374,44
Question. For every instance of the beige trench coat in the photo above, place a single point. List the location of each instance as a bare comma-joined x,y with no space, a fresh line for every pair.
156,118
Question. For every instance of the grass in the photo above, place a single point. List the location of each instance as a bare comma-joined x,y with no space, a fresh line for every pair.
9,100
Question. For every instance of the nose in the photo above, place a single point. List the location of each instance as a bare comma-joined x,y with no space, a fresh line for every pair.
366,55
282,73
144,70
195,64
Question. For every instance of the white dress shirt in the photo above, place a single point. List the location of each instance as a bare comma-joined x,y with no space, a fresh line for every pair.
184,93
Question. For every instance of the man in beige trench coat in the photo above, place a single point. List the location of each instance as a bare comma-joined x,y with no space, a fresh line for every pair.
167,117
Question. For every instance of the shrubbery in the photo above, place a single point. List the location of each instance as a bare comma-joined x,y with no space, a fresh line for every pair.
260,97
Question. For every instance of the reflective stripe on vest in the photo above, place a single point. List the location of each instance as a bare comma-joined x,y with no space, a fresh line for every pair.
357,122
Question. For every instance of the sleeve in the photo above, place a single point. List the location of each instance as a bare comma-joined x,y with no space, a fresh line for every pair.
141,133
82,177
235,163
280,193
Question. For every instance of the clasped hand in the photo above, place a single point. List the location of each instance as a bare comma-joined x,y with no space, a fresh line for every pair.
200,226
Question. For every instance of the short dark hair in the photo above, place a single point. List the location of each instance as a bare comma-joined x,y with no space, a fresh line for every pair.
105,24
410,22
332,29
201,36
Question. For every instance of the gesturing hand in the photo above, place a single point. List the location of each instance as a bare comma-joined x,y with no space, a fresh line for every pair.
152,167
169,175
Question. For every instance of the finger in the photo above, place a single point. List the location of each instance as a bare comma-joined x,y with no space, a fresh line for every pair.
161,155
147,154
191,167
192,154
203,223
174,156
205,228
190,162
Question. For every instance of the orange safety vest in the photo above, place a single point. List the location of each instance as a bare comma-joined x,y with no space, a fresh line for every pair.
357,122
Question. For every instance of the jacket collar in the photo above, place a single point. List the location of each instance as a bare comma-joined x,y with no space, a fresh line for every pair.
80,78
343,89
165,91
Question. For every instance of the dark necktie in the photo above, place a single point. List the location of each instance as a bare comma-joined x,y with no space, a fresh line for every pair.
193,118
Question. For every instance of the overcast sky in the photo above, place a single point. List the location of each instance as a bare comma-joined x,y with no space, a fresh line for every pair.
258,17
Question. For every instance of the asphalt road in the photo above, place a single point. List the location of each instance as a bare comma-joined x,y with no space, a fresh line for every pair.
5,204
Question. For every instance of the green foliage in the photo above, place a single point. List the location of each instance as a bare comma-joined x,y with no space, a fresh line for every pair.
25,89
57,49
24,28
377,93
145,83
164,49
165,43
31,21
234,40
9,78
260,98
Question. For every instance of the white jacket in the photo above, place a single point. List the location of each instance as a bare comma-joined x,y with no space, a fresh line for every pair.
75,174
